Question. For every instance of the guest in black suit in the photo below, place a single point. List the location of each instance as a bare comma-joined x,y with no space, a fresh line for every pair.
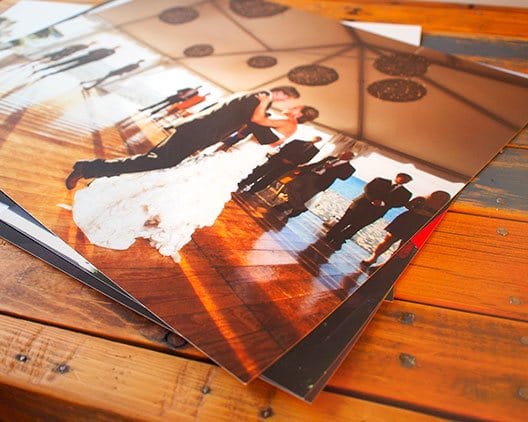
315,178
193,134
260,132
181,95
404,226
65,52
379,196
291,155
113,73
91,56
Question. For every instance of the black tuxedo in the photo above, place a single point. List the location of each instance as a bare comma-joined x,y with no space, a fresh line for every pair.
263,134
197,132
363,212
315,178
65,52
181,95
291,155
91,56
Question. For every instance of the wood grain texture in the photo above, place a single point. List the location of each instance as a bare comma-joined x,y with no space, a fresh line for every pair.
29,288
500,189
472,263
111,381
468,365
433,17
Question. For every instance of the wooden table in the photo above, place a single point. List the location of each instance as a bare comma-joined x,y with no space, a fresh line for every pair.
460,316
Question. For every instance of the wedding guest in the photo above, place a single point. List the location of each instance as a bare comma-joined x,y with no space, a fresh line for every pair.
180,95
196,133
91,56
181,109
116,72
404,226
378,197
291,155
65,52
315,178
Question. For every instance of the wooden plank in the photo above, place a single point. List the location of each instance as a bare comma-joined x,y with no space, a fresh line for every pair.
470,366
472,254
477,46
104,380
29,288
91,312
26,285
522,138
439,18
516,65
472,263
500,189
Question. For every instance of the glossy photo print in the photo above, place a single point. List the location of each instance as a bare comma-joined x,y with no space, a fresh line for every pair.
29,20
242,182
306,368
20,228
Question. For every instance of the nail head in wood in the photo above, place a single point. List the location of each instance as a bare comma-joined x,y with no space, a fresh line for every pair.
62,368
502,231
266,413
515,301
407,360
523,393
206,389
406,318
21,357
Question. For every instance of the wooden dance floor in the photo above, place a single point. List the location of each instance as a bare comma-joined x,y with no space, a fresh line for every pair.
246,289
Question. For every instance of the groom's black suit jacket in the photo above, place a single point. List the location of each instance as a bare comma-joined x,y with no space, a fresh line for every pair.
195,133
211,125
362,210
309,183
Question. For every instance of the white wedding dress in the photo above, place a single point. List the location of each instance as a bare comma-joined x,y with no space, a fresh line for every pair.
164,206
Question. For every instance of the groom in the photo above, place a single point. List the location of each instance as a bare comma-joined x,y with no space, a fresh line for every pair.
195,133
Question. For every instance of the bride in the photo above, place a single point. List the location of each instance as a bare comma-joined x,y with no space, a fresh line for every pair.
166,206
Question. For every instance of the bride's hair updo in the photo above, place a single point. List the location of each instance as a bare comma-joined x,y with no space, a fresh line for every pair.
308,114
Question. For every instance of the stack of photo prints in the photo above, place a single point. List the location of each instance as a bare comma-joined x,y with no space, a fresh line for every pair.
252,177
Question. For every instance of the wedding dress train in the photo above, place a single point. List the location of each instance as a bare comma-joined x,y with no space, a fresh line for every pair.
164,206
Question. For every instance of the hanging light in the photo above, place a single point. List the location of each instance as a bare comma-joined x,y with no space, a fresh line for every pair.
402,64
397,90
313,75
261,62
256,8
178,15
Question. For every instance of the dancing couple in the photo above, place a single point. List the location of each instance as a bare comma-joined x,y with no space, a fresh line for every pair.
166,194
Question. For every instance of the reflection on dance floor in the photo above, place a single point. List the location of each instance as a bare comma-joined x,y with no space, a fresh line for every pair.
303,237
